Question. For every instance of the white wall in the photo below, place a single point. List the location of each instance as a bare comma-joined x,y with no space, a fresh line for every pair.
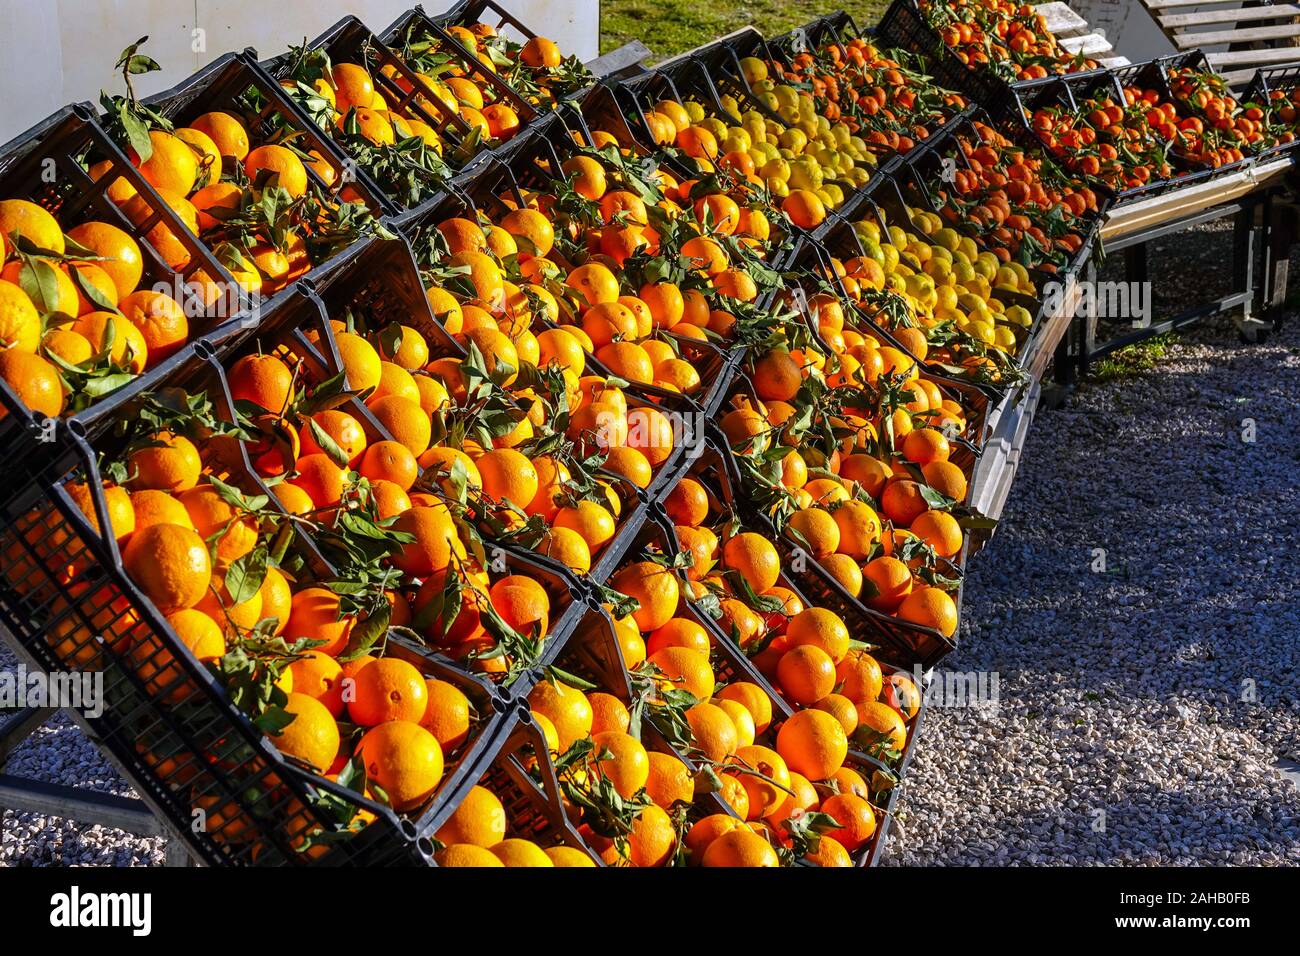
54,52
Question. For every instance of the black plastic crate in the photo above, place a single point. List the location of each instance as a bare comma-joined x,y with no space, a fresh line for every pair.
237,84
1268,81
48,165
66,598
415,29
350,41
520,773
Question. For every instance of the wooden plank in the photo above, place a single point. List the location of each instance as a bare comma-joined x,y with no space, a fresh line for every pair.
1247,35
1087,45
1229,16
1061,20
1154,5
1113,61
1285,55
1239,77
1191,199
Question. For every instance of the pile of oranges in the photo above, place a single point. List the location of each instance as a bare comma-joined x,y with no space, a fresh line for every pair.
75,321
880,99
1011,39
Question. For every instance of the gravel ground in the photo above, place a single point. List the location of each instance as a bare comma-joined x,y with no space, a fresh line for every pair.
1125,730
1142,712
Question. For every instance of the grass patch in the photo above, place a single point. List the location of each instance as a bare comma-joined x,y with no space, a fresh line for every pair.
1134,359
669,27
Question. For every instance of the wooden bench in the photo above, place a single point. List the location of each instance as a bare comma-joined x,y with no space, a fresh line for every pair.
1254,33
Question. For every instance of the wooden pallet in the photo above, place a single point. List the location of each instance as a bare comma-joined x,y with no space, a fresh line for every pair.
1253,33
1074,34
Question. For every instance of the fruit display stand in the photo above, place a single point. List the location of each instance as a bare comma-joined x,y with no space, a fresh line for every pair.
189,739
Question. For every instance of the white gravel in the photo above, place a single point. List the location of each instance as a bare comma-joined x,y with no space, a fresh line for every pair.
1125,732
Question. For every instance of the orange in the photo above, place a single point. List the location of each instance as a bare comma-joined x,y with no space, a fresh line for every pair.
172,464
656,589
714,732
480,820
522,603
508,475
322,479
360,360
859,528
593,283
940,531
777,376
754,699
814,530
945,478
930,607
607,713
687,669
121,515
688,503
312,736
804,208
565,707
465,855
390,500
199,633
586,175
650,843
158,507
20,323
813,743
707,829
926,445
741,847
263,380
395,380
621,759
63,298
706,255
170,564
436,543
841,708
521,853
462,235
533,228
319,676
173,166
859,676
665,302
821,628
568,856
539,52
844,570
389,461
568,548
285,169
902,502
766,792
590,520
403,758
806,674
680,632
315,614
388,689
447,714
631,463
650,432
829,852
871,473
754,558
293,499
803,800
892,580
670,781
856,819
277,598
883,720
734,795
226,133
343,429
108,331
697,142
405,420
32,222
120,254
